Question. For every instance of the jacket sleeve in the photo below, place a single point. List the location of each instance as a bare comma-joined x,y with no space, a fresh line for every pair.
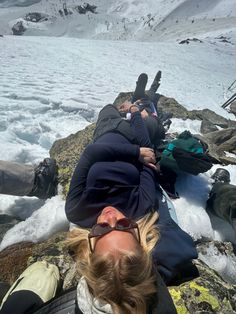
140,130
147,188
175,248
94,153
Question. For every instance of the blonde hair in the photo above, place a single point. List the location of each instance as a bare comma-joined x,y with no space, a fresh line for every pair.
127,282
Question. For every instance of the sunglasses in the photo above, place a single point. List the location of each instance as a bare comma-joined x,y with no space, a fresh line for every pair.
101,229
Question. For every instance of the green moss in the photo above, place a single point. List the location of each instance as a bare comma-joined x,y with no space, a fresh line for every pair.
204,295
178,301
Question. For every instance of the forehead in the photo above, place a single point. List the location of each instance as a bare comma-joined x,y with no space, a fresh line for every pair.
115,241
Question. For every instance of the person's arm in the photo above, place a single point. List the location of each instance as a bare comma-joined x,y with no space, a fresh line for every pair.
175,248
147,188
139,128
94,153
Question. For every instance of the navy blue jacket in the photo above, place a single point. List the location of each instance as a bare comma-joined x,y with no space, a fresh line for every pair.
109,173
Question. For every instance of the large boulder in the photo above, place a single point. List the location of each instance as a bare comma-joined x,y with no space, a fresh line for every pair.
67,152
18,28
36,17
212,117
220,142
14,260
206,294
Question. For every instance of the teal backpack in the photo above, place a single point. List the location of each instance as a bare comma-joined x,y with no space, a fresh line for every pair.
185,153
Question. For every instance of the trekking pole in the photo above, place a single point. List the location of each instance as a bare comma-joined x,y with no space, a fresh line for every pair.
229,101
231,85
226,104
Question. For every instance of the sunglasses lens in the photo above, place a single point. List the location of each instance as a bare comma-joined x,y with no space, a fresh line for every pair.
100,229
124,223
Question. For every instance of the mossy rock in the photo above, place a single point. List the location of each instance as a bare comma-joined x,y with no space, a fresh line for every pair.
67,152
13,261
206,294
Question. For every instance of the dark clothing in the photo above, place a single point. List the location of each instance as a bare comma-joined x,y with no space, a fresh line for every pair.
222,202
109,173
135,131
109,120
21,302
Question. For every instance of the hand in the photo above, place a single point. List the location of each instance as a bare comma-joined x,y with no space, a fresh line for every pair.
144,113
147,157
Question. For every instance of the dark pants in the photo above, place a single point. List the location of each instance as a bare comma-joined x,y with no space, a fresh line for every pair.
21,302
222,202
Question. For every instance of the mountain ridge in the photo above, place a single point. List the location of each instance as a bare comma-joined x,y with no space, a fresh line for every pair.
122,19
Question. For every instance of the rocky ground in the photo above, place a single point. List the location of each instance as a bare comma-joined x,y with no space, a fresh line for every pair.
208,293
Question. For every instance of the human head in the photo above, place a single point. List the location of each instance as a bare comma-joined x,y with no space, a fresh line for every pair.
124,280
114,240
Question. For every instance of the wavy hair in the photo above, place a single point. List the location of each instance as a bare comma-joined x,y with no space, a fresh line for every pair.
127,282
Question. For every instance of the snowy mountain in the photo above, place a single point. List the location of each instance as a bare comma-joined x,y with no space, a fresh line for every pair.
151,20
51,87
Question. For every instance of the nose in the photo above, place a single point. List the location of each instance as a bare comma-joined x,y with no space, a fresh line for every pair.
111,219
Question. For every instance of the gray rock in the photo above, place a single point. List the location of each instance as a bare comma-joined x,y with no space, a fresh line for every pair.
219,142
220,257
211,116
207,126
18,28
36,17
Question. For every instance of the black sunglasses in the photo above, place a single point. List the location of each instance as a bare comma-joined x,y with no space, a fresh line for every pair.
101,229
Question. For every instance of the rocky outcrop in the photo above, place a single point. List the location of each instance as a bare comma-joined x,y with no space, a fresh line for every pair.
206,294
67,152
220,257
188,40
14,260
18,28
36,17
220,142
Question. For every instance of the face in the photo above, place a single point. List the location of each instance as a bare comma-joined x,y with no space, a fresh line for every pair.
115,240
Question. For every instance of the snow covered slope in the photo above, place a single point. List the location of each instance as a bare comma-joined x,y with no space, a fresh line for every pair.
149,20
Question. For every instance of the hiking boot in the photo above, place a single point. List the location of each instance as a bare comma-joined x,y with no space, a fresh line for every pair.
45,182
221,175
155,84
140,87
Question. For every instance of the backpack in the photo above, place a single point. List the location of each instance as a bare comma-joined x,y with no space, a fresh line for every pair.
185,153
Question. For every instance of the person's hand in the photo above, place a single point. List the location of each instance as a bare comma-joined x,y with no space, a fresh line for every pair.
147,157
144,113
